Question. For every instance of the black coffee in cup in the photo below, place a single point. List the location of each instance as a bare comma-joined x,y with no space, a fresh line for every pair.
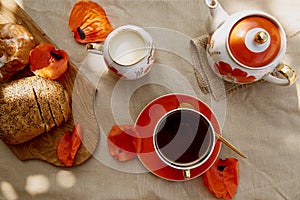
183,137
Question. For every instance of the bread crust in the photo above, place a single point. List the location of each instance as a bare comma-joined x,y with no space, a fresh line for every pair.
15,44
41,98
63,97
25,113
20,117
53,101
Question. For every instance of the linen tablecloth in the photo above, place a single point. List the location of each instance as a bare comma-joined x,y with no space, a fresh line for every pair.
262,120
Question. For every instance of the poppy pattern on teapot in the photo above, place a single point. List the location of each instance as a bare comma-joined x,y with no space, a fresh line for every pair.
225,69
233,75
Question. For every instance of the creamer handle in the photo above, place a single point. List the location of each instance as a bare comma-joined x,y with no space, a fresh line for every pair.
96,48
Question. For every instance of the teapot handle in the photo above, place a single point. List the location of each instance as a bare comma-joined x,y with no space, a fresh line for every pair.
286,71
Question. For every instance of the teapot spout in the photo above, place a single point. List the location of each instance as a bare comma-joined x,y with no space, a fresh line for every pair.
218,14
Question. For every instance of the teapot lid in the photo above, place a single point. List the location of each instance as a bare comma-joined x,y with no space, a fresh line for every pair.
254,41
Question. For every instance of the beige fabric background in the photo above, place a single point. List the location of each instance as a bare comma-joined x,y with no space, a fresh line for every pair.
262,120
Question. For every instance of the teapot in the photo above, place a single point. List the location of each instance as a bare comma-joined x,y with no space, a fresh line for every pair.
247,46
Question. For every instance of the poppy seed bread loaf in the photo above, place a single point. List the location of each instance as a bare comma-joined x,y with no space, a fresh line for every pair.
30,107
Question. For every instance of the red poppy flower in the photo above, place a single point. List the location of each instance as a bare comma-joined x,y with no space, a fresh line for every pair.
236,75
123,142
222,178
47,61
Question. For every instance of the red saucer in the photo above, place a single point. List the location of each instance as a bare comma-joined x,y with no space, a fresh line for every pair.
145,125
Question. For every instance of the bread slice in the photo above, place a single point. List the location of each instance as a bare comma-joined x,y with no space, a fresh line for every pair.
53,101
42,101
57,89
20,116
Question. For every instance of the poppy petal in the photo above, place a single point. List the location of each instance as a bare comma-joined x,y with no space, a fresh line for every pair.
88,22
222,178
239,73
223,68
242,77
123,142
68,145
248,79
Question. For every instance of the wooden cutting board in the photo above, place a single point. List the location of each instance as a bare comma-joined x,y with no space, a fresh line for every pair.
80,89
